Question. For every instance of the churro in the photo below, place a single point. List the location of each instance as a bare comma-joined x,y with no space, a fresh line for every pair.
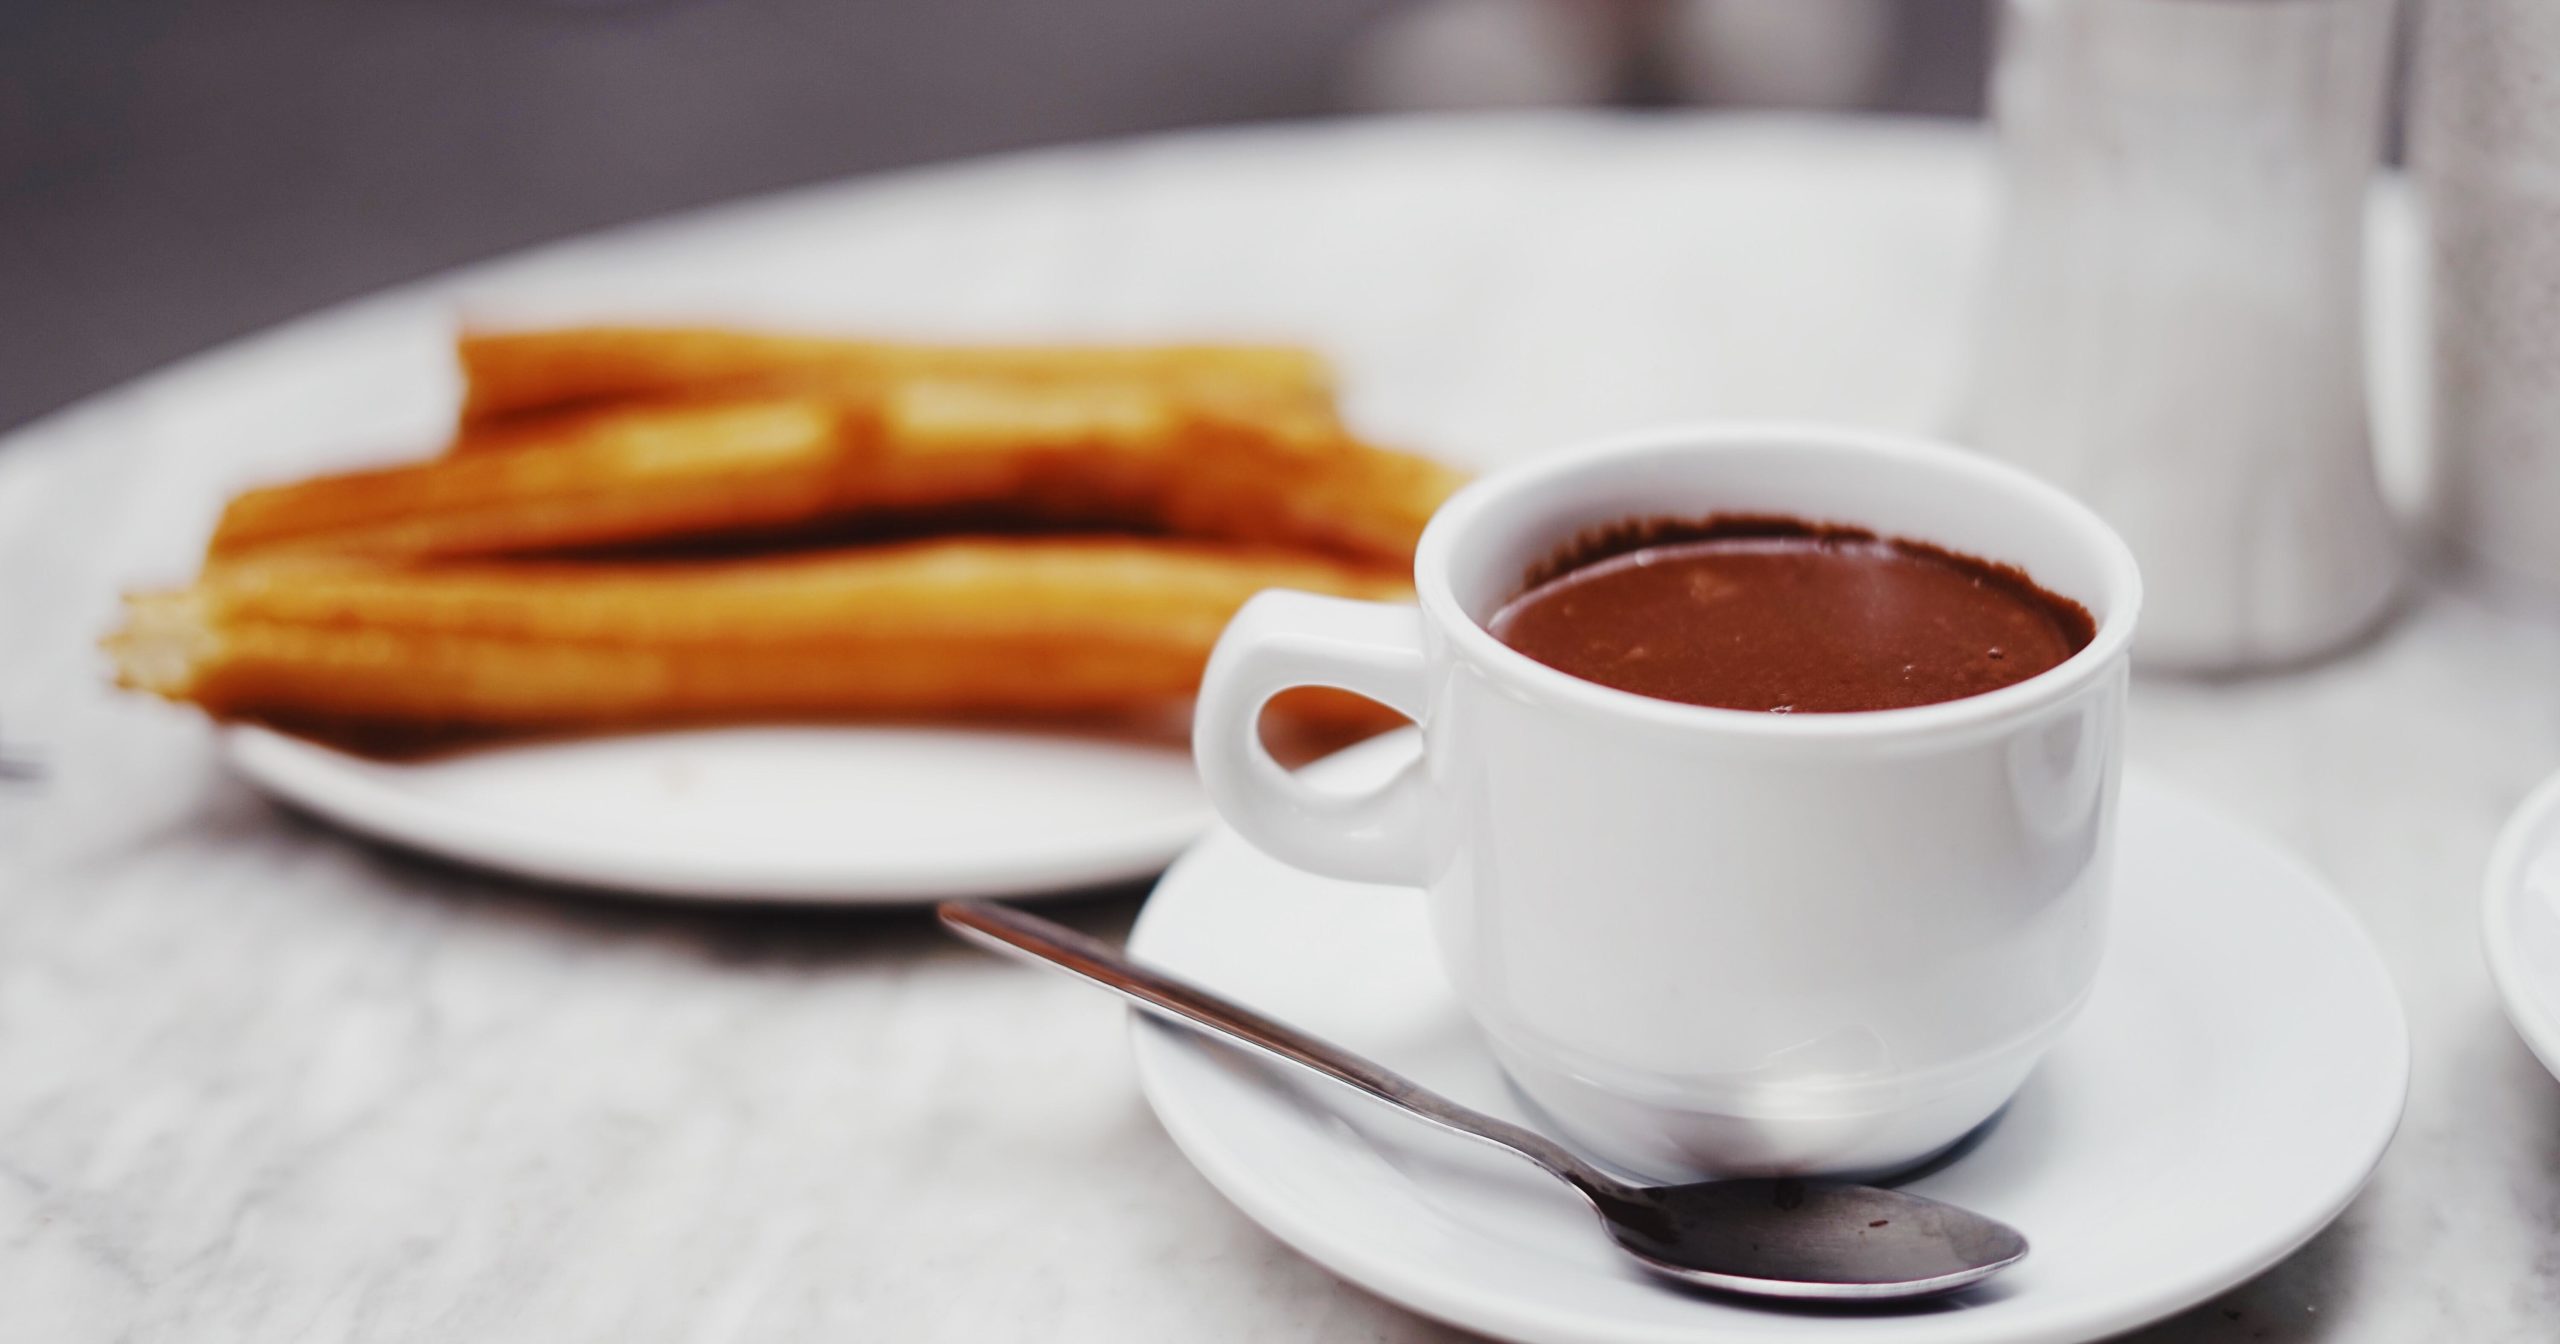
1057,626
627,477
1089,455
513,373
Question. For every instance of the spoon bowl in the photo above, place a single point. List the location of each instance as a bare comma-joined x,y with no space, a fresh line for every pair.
1806,1239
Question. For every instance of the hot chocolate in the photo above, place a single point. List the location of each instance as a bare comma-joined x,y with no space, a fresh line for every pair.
1787,616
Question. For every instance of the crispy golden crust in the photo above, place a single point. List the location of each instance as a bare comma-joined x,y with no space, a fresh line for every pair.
511,374
969,626
1102,455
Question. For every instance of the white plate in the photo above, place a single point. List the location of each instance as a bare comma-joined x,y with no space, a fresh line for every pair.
2520,921
2236,1076
841,815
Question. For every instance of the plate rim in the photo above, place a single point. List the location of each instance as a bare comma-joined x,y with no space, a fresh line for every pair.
2502,887
1152,1042
324,782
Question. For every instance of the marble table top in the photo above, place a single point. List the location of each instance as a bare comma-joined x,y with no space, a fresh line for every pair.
262,1081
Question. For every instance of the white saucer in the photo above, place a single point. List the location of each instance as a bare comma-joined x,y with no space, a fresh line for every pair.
2236,1076
2520,921
837,815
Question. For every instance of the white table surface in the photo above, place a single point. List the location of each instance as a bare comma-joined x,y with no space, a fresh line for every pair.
259,1081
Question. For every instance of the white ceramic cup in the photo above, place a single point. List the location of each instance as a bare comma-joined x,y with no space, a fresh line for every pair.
1708,941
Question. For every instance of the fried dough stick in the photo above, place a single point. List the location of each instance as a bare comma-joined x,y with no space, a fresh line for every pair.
510,374
1099,456
634,477
1064,626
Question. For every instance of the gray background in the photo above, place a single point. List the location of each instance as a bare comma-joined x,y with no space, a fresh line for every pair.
175,172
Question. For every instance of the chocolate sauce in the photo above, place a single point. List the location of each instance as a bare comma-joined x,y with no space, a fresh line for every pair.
1787,616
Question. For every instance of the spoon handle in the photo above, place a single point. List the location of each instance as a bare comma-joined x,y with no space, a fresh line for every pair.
1010,931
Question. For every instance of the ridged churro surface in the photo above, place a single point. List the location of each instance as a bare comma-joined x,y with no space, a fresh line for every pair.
1105,455
965,626
513,373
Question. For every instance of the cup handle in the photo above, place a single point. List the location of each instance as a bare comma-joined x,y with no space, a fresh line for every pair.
1283,639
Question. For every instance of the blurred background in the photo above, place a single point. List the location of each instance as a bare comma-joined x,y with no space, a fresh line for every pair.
176,172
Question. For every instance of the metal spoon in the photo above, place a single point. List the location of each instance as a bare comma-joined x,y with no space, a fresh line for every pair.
1802,1239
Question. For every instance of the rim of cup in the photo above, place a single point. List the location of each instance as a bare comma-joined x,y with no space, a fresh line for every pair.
2114,609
